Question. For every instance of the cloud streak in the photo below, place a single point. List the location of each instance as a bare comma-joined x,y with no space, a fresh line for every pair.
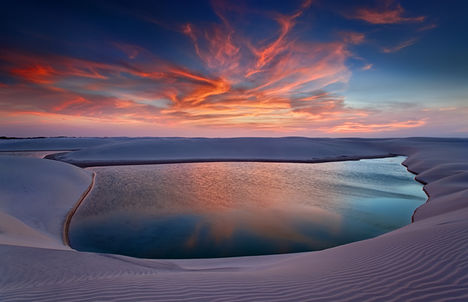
388,14
400,46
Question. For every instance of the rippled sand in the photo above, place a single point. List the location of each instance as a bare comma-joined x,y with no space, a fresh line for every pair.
424,261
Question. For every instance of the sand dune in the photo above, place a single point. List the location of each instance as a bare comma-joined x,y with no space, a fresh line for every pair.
294,149
55,143
38,194
424,261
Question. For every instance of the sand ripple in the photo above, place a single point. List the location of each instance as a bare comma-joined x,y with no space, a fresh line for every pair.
424,261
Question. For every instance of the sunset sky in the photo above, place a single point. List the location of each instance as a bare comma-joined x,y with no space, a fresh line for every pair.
234,68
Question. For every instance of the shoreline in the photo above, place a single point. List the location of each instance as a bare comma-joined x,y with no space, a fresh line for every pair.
66,225
72,211
89,164
423,188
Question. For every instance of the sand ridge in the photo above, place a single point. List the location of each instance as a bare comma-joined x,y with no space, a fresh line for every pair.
66,226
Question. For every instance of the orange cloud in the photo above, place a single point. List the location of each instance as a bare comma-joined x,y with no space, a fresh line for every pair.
215,45
385,15
266,54
23,100
358,127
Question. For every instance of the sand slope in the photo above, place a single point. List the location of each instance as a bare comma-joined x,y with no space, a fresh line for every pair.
35,197
165,150
424,261
55,143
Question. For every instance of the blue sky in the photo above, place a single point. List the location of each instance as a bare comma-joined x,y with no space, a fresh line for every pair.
234,68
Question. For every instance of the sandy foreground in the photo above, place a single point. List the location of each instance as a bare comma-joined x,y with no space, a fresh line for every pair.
424,261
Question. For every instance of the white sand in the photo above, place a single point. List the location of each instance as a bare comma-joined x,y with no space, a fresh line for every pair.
54,143
36,195
199,149
424,261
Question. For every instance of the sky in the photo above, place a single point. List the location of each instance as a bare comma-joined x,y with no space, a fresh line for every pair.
310,68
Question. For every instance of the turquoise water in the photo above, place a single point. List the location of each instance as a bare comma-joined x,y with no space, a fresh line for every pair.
199,210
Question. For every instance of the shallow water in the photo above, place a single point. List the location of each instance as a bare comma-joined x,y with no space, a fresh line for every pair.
197,210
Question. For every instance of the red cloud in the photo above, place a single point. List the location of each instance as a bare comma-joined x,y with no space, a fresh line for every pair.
36,73
68,103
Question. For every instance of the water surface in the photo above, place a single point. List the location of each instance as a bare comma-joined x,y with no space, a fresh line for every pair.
222,209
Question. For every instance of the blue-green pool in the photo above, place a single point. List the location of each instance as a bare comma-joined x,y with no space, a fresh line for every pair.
223,209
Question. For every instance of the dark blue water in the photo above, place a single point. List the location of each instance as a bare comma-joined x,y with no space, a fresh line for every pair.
200,210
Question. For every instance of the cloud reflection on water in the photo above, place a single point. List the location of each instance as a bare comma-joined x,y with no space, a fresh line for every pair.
231,209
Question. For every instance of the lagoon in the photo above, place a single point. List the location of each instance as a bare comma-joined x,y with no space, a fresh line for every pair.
226,209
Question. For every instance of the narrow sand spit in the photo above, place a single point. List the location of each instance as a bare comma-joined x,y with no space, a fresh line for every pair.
66,226
424,261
